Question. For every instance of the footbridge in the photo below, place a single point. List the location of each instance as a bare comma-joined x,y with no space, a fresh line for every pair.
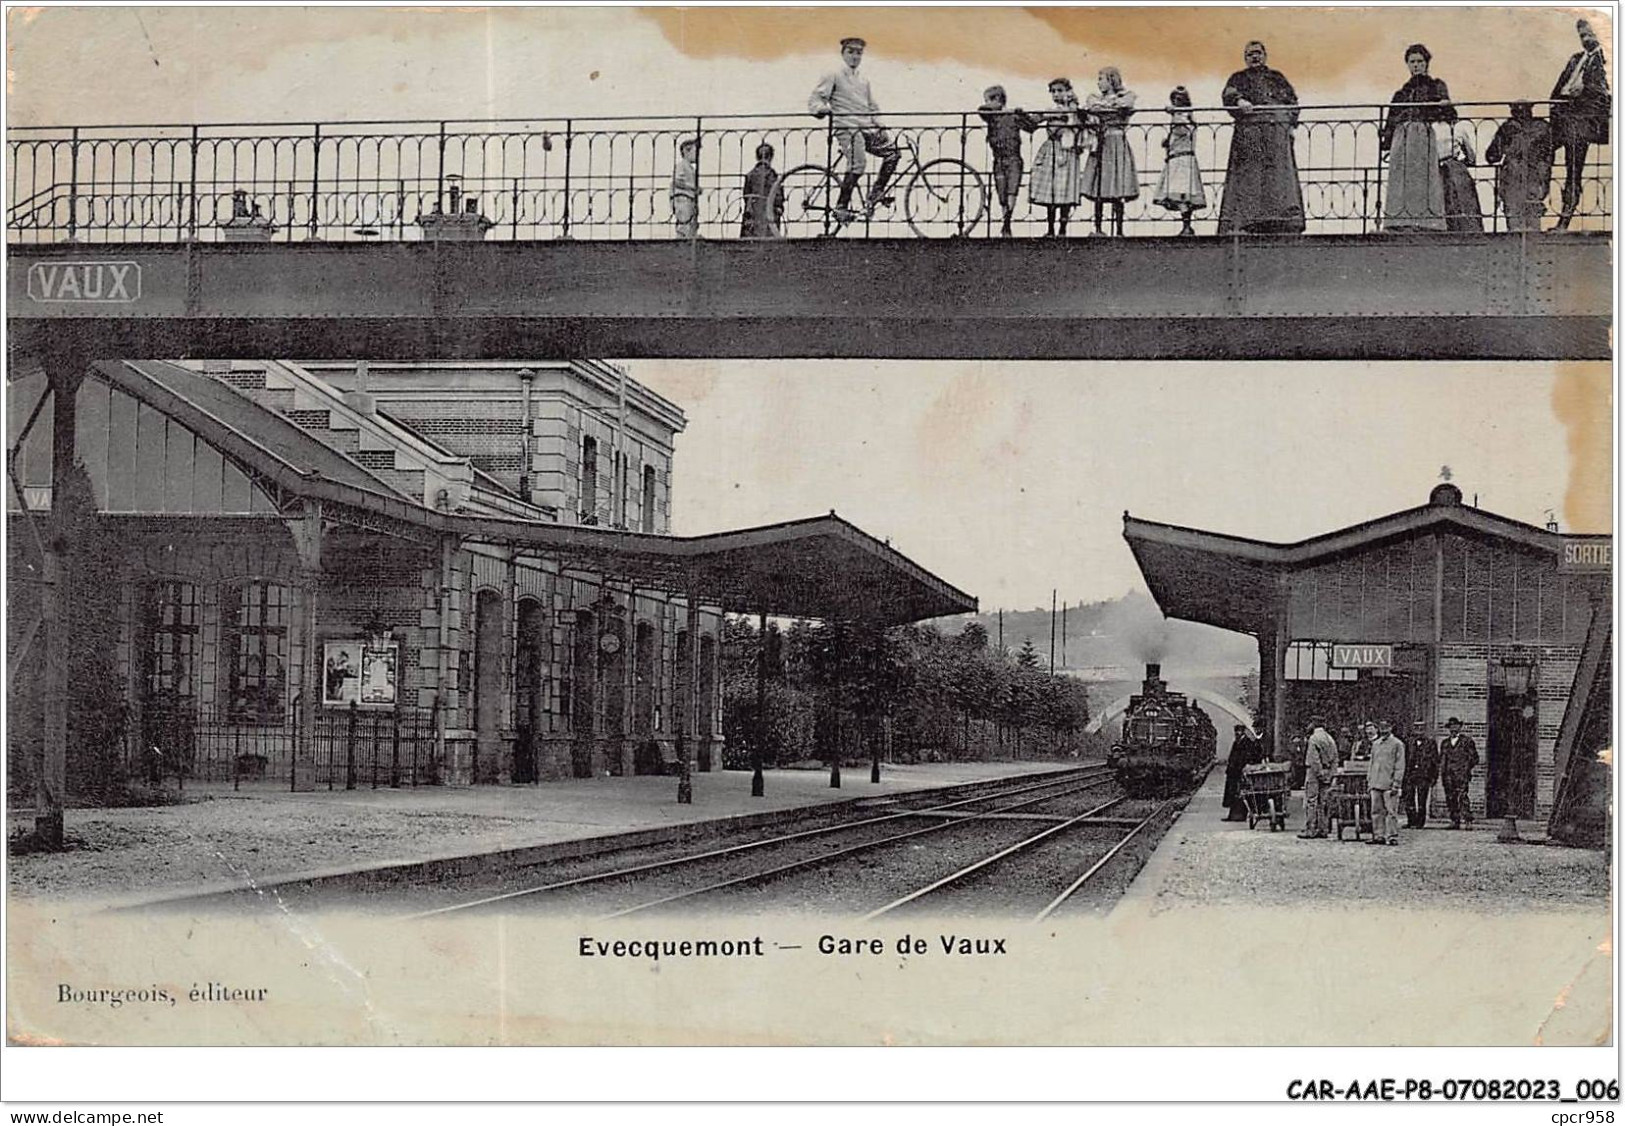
557,237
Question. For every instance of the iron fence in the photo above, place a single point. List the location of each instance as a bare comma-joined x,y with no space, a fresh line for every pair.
610,178
350,749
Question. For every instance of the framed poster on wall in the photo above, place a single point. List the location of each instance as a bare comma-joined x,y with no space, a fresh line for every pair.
360,671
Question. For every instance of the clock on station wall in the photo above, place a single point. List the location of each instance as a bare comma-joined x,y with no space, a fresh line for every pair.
609,643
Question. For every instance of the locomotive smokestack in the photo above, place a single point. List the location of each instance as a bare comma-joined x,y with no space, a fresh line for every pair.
1153,685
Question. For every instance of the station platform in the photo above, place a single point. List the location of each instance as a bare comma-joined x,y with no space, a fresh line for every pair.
1206,860
1259,938
221,839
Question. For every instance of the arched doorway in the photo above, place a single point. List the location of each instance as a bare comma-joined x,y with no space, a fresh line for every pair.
583,693
708,703
529,692
612,669
646,752
487,685
681,679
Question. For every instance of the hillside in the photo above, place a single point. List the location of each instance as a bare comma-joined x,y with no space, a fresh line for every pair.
1122,634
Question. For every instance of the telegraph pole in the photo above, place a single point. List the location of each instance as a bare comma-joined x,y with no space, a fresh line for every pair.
1001,631
1064,608
1052,594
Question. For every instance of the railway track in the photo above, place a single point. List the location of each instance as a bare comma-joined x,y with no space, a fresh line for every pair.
1026,795
1008,856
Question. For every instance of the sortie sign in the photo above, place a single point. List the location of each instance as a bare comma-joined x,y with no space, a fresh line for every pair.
1362,656
1586,553
85,282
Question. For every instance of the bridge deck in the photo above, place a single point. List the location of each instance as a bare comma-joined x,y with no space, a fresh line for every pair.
1464,296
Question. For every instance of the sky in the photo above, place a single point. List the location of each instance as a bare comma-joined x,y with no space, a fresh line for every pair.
238,63
1006,479
1010,479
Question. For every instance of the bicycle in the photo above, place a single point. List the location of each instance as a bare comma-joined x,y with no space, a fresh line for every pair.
942,198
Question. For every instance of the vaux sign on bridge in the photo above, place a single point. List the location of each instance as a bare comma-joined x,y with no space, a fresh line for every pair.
1391,296
95,282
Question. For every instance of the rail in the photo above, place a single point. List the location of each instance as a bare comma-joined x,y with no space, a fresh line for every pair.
611,178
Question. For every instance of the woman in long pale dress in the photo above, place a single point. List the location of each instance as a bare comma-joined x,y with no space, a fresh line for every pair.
1179,188
1055,179
1110,175
1415,192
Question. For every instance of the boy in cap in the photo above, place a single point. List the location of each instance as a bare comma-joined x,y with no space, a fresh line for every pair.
844,96
1004,129
685,189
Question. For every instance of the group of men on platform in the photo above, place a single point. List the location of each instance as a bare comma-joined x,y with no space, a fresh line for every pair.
1397,778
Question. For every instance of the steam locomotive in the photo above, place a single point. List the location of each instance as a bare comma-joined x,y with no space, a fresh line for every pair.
1167,742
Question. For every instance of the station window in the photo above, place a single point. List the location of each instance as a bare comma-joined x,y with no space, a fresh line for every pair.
1312,660
649,499
254,637
589,480
173,640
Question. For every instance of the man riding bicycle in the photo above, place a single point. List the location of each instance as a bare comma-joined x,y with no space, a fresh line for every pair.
844,96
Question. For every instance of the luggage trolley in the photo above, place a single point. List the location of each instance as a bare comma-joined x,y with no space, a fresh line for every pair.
1350,799
1264,788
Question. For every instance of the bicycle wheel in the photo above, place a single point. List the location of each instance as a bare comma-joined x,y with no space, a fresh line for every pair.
945,199
805,202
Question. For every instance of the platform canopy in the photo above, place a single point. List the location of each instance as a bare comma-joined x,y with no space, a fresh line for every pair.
1238,584
823,567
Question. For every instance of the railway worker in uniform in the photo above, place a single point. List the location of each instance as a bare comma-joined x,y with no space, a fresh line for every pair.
844,97
1458,754
1319,764
1421,772
1385,779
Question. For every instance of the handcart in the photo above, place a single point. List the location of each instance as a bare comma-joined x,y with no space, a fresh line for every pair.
1264,787
1349,800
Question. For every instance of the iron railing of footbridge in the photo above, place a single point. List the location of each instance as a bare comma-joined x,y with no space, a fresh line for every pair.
610,178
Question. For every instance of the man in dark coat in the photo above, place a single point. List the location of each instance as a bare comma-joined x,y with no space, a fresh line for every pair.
1421,772
1244,752
1261,190
1458,754
1579,115
1521,151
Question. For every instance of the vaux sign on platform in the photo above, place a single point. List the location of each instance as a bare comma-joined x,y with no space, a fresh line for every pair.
1362,656
84,281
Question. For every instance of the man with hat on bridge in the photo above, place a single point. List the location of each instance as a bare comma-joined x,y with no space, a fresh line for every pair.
844,97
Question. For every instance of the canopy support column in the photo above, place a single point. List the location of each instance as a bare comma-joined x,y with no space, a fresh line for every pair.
757,785
307,538
688,736
65,371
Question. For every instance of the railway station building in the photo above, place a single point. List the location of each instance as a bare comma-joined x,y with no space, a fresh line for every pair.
338,574
1439,611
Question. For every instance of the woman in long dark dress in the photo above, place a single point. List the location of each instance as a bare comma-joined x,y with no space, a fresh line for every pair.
1261,190
1415,193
